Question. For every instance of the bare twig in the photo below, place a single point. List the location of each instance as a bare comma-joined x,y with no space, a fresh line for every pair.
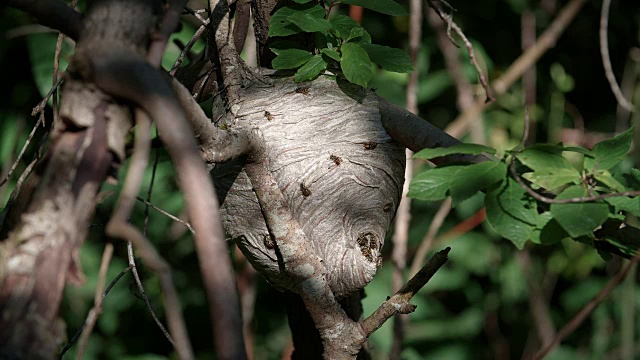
119,227
429,238
41,105
96,310
24,148
606,59
448,18
169,23
188,47
104,295
399,303
459,126
143,294
403,214
582,315
165,213
154,170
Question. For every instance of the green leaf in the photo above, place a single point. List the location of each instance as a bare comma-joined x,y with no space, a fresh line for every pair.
548,231
388,7
310,22
356,34
344,24
280,25
511,212
579,218
476,177
605,177
551,179
624,203
390,59
537,159
470,149
331,53
311,69
42,48
355,64
433,184
290,58
610,152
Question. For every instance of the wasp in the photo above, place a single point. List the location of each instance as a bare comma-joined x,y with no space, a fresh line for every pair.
337,160
305,190
268,241
370,145
268,115
302,90
387,207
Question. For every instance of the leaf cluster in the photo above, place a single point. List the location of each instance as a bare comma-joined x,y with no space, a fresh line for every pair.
341,44
574,206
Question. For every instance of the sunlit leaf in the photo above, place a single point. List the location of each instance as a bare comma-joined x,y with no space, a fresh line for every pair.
355,64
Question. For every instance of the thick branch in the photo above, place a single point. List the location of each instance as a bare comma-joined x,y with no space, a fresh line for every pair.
54,14
342,338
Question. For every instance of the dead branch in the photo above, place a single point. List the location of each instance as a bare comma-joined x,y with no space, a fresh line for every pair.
584,313
24,148
54,14
230,62
459,126
96,310
448,18
606,59
399,302
429,238
167,214
119,227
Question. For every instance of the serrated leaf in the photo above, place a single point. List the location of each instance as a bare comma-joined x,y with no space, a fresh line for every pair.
470,149
551,179
605,177
624,203
579,219
388,7
311,69
511,212
280,25
355,64
290,58
536,159
610,152
344,24
474,178
390,59
310,22
433,184
331,53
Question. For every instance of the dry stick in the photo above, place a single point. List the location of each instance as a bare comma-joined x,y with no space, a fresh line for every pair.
399,303
452,61
459,126
448,18
96,310
118,227
24,148
143,294
606,59
104,295
188,47
582,315
43,103
429,238
167,214
403,215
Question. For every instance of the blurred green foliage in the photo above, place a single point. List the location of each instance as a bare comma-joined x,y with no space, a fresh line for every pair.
478,305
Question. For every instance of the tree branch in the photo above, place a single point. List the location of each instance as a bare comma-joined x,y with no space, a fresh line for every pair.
54,14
